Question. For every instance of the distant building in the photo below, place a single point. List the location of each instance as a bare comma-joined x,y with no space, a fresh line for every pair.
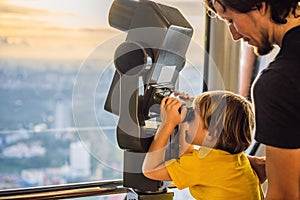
80,159
62,113
22,150
8,139
33,176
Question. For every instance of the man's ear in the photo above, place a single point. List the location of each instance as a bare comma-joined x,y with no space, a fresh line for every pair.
262,8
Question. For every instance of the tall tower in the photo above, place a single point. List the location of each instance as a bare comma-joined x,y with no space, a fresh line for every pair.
61,114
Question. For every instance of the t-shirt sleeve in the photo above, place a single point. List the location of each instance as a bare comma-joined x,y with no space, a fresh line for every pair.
181,171
277,106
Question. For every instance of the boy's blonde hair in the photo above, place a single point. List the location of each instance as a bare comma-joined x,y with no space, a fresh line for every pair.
229,116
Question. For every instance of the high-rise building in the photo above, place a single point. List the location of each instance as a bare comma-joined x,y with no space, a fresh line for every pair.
80,159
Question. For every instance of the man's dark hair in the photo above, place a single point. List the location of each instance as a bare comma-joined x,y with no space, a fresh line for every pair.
280,9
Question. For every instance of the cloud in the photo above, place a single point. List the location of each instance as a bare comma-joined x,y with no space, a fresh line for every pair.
3,40
22,10
12,41
55,44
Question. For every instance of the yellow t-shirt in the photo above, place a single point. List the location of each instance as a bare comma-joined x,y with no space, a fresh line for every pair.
213,174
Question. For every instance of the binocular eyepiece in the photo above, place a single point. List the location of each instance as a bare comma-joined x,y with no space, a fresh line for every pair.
190,115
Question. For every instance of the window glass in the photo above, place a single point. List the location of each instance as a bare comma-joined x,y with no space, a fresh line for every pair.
53,131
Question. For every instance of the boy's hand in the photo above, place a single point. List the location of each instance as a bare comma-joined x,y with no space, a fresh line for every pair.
169,111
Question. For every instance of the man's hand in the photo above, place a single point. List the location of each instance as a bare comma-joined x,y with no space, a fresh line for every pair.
259,166
183,96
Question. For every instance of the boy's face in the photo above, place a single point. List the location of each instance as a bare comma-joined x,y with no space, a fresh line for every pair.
196,131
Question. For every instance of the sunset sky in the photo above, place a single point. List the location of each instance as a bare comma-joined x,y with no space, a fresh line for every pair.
60,29
52,29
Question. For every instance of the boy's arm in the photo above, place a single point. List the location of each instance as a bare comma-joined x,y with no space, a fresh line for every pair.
154,167
154,163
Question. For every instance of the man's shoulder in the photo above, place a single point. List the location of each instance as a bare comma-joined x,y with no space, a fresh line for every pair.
268,80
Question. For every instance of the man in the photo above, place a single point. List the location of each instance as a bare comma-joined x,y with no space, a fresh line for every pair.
276,92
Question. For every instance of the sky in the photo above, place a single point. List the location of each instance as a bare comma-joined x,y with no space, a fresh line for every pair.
61,29
52,29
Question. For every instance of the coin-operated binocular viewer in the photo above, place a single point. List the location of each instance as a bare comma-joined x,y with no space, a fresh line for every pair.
147,65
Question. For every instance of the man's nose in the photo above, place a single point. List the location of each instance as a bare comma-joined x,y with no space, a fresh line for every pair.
234,33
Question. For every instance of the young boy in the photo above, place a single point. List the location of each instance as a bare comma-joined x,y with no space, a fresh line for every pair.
219,169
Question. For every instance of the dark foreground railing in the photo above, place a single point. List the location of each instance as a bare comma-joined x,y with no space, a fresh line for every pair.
84,189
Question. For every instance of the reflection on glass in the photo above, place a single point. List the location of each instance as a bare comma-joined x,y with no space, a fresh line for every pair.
43,45
39,144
